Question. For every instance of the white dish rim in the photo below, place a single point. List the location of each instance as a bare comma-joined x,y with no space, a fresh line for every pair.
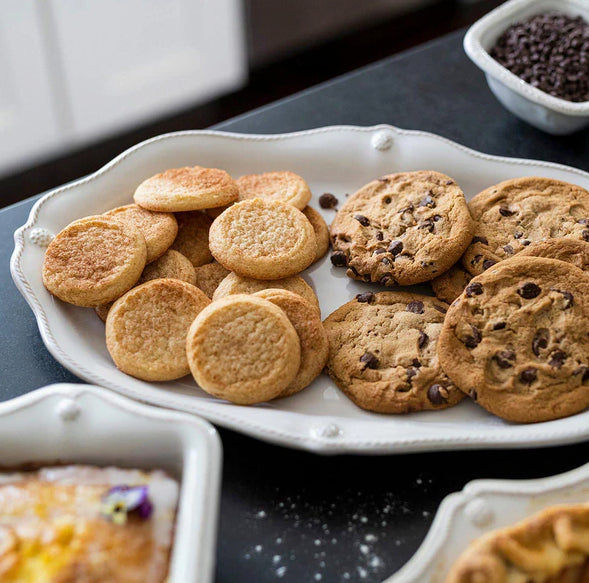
481,58
201,453
321,441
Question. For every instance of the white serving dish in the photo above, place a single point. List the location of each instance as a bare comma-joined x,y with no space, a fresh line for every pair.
338,160
83,424
550,114
482,506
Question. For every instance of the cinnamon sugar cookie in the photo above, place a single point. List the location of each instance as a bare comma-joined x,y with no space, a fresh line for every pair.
186,189
243,349
307,324
171,265
159,229
321,231
94,260
235,284
209,276
193,237
283,186
146,329
263,239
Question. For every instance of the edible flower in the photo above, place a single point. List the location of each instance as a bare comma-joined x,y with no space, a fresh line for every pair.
122,500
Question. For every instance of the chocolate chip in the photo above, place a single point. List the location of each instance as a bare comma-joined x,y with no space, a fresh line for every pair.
487,263
427,201
525,242
437,394
338,258
585,234
379,236
584,370
557,358
472,393
415,306
540,341
383,179
473,289
499,325
407,209
328,201
449,182
379,251
387,279
411,372
416,363
395,247
362,220
504,358
482,240
366,298
436,218
386,261
476,259
370,360
423,338
583,221
366,277
568,298
518,235
508,249
528,375
428,224
440,308
529,291
505,212
472,341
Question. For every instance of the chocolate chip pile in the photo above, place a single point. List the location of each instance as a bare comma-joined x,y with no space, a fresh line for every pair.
550,51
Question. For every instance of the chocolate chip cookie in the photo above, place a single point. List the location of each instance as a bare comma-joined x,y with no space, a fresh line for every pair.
513,214
564,249
402,229
451,284
382,353
517,339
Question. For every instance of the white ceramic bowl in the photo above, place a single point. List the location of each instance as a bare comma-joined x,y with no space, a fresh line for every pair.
89,425
482,506
550,114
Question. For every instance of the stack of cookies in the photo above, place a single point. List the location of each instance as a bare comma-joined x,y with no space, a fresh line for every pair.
514,265
151,269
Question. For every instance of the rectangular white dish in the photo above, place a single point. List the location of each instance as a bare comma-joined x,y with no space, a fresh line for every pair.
80,424
544,111
334,159
482,506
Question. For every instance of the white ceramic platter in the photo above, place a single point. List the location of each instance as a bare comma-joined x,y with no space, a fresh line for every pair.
482,506
333,159
81,424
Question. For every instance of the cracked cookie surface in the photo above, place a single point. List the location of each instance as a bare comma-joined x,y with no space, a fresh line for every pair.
402,228
513,214
517,339
382,353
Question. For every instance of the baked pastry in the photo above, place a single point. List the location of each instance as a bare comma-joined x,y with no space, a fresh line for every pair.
86,524
283,186
567,249
382,353
243,349
551,546
171,265
451,284
193,237
159,229
263,239
146,329
313,340
321,231
235,284
94,260
516,339
186,189
515,213
402,229
209,276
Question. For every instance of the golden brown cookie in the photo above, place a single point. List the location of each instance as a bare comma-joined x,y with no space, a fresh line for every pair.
321,231
283,186
564,249
548,547
243,349
186,189
402,229
513,214
171,265
263,239
382,353
306,321
235,284
209,276
193,237
516,339
94,260
159,229
451,284
146,329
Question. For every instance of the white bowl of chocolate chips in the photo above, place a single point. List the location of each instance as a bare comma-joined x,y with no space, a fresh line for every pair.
535,55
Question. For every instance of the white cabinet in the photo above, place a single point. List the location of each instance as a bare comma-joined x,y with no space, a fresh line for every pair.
73,70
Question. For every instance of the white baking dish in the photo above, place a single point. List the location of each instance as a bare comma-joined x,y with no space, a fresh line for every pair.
83,424
551,114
